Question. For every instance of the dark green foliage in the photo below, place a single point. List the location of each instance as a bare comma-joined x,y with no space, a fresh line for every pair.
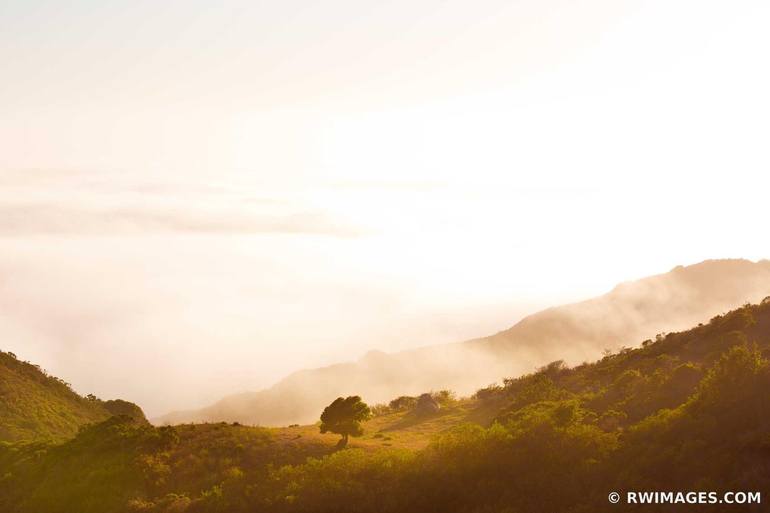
121,407
444,397
344,417
402,403
408,403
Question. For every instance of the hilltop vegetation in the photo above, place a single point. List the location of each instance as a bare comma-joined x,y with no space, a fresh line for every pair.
35,405
687,411
574,333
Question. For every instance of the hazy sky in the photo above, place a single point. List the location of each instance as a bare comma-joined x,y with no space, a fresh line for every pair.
199,197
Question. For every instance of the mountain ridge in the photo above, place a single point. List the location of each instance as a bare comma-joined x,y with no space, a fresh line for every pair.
631,312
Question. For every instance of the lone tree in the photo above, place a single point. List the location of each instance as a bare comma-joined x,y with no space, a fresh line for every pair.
344,417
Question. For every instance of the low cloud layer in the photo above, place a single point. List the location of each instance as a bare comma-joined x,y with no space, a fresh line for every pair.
90,204
174,295
51,219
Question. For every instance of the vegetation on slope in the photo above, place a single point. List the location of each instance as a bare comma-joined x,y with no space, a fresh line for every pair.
35,405
686,411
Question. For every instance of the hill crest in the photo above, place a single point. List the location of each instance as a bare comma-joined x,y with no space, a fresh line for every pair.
35,405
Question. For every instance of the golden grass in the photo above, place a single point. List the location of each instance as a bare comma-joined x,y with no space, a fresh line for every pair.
404,430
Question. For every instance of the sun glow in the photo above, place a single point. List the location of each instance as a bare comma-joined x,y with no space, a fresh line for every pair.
394,174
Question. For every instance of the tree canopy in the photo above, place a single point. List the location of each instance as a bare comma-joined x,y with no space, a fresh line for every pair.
344,417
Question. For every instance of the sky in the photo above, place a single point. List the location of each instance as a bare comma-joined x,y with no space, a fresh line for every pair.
198,198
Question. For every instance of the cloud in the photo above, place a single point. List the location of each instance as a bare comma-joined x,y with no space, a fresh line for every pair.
53,219
93,204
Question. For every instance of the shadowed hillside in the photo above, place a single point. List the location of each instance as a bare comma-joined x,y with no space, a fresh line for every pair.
574,333
686,411
35,405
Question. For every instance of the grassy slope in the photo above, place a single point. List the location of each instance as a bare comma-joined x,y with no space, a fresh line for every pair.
34,405
116,463
400,430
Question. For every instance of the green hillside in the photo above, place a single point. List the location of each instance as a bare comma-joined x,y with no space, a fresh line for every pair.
684,412
35,405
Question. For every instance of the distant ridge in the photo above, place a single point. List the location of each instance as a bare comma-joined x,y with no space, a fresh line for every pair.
630,313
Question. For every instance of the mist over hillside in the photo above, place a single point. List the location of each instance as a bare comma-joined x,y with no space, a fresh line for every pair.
696,397
630,313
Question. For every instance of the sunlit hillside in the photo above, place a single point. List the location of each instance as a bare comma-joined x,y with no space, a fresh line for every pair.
35,405
688,408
